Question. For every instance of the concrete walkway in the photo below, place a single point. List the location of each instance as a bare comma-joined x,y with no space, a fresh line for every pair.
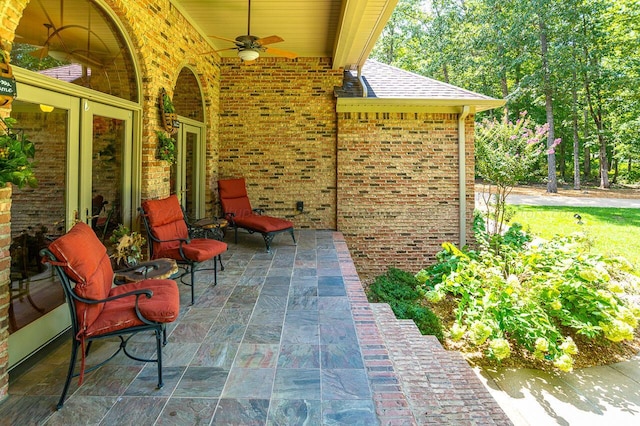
589,396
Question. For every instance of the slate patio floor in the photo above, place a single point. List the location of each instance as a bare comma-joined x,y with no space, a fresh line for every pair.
286,338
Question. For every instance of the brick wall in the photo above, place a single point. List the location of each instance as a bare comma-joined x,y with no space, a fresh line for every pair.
398,187
278,130
5,241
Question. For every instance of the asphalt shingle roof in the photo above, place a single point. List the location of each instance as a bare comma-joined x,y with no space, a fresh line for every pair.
389,82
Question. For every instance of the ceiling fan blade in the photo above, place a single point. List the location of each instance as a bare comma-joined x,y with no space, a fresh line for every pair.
269,40
40,53
224,39
280,52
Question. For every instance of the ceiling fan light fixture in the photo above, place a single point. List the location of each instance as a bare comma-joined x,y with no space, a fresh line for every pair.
248,54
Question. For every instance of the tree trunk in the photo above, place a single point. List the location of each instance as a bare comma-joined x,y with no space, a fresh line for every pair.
587,150
576,138
552,182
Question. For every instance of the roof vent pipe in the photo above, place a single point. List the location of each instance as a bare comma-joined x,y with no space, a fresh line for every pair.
363,86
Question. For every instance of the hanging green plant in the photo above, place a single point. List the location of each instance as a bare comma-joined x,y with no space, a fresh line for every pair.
166,147
16,155
170,122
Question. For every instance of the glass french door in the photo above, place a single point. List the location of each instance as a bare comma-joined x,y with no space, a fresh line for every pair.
105,178
83,149
188,171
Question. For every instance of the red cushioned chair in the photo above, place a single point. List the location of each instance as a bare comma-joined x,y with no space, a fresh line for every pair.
99,310
169,236
236,208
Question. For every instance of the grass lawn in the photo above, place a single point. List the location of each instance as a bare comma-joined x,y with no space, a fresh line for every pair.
612,231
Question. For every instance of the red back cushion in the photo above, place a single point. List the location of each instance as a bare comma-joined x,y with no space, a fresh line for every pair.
86,263
166,220
234,198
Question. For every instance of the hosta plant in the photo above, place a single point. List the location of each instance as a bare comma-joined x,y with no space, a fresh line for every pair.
533,297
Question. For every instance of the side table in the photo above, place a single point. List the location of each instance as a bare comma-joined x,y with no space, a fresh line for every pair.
152,270
212,228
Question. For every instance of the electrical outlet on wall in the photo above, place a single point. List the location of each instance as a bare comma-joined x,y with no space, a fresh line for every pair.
300,206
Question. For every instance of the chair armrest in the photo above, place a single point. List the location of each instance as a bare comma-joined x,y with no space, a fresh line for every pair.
137,293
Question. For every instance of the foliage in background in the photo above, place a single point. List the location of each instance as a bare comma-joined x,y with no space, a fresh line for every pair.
507,153
16,155
531,297
589,69
402,292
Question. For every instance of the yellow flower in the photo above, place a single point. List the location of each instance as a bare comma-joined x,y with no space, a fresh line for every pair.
617,331
564,363
500,348
568,346
542,344
479,332
457,331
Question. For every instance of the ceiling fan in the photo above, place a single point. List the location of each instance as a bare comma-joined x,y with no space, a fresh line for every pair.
67,49
250,46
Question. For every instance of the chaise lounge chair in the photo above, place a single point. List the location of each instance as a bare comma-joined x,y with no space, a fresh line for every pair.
236,208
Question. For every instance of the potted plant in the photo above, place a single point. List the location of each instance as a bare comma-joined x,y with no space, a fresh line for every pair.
16,155
127,246
166,147
170,121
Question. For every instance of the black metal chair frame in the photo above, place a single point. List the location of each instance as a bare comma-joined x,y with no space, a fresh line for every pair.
268,236
159,329
189,266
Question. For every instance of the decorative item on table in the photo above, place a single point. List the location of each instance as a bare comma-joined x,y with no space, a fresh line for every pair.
127,246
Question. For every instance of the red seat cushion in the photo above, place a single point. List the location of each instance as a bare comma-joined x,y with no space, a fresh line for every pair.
86,263
197,250
166,220
263,224
162,307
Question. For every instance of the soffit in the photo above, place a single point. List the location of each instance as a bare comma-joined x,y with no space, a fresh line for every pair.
344,30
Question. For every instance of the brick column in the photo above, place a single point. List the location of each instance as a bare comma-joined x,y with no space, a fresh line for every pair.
5,266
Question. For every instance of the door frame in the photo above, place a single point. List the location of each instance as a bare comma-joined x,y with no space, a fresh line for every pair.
199,164
89,110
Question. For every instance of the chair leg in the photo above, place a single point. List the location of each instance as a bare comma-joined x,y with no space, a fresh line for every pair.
293,236
72,364
193,282
268,237
159,355
220,260
215,270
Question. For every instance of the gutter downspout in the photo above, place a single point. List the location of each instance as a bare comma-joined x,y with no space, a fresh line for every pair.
462,187
363,86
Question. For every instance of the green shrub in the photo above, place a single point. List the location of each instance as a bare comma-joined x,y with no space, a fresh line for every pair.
394,285
428,323
529,296
402,291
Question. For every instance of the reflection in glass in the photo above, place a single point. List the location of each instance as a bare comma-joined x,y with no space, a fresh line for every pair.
76,42
108,137
37,215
